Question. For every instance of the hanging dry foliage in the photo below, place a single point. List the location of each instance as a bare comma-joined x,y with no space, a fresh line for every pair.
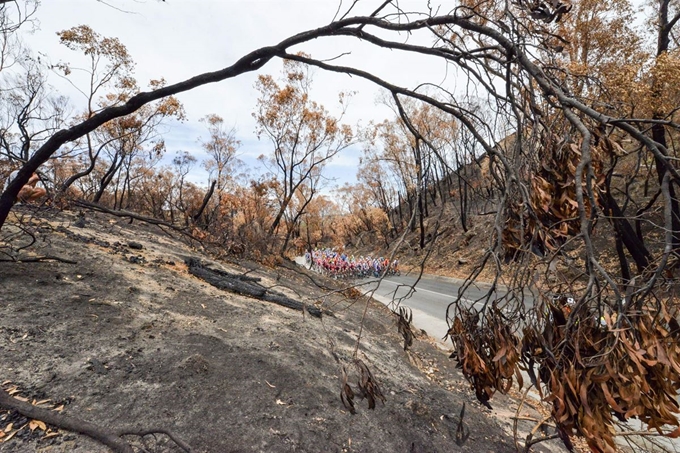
367,386
404,319
591,363
486,351
553,216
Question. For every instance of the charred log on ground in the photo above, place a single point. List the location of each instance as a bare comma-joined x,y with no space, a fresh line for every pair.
246,286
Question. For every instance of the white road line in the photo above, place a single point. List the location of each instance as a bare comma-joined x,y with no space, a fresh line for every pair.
406,285
476,304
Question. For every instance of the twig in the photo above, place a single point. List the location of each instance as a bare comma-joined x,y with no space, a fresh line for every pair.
40,259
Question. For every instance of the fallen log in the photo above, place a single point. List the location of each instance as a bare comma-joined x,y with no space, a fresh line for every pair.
194,262
246,286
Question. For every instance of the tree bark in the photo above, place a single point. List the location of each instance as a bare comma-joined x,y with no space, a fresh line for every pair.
421,220
625,231
107,178
112,438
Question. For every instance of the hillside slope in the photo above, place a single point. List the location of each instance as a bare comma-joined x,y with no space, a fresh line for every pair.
126,336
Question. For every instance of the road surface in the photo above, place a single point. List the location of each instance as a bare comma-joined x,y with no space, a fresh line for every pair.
428,301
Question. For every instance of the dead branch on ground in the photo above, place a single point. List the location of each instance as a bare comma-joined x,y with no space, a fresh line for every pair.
112,438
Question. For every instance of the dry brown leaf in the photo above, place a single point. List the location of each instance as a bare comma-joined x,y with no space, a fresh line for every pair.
368,385
502,352
612,402
9,427
583,394
404,320
346,393
34,424
12,434
59,408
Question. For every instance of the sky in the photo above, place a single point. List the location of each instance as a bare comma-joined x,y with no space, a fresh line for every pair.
177,39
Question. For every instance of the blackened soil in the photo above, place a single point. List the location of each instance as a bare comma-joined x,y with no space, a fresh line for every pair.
127,337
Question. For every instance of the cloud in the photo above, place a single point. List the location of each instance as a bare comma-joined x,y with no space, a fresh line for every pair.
179,39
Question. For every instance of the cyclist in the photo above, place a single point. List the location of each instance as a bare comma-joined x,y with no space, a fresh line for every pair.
29,192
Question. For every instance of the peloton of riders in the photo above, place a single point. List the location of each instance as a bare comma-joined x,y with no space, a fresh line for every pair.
339,265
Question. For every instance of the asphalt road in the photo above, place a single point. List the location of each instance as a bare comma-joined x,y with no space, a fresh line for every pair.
428,300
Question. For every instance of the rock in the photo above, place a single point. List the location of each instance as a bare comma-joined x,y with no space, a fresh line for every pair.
135,245
138,259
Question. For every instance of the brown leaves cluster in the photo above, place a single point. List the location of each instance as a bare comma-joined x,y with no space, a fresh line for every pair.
8,431
598,366
554,212
595,366
404,318
486,350
84,39
367,387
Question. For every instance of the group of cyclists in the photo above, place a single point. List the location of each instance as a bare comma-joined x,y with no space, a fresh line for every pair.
337,264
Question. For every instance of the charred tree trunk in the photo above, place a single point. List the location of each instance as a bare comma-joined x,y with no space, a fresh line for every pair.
295,222
659,136
422,199
401,214
411,210
463,199
433,194
626,233
106,180
247,286
421,218
206,200
93,161
658,130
